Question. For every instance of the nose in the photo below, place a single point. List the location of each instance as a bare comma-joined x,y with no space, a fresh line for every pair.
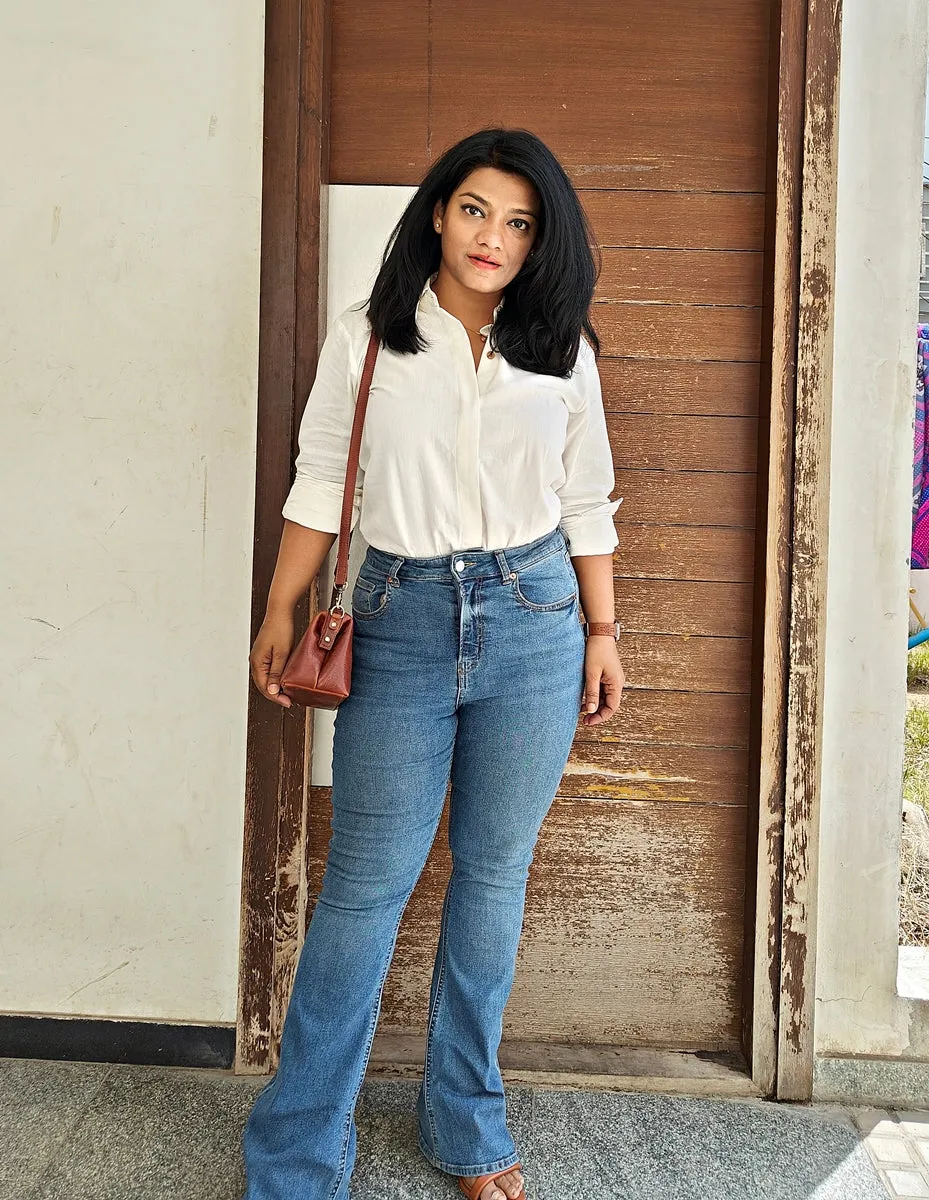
491,234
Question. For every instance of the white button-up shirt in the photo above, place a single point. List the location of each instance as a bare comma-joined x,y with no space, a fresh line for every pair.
454,458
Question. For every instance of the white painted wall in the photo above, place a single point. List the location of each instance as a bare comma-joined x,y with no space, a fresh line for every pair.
129,244
881,119
360,222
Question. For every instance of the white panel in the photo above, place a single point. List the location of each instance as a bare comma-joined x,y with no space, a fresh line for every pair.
881,117
131,196
360,222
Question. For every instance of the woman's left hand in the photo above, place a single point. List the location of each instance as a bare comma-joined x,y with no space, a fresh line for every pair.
603,680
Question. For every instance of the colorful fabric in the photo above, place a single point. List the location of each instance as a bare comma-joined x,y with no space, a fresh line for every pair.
919,555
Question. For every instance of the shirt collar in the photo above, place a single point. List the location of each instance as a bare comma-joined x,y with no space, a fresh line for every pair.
428,299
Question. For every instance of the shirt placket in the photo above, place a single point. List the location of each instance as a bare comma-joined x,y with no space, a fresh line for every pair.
471,515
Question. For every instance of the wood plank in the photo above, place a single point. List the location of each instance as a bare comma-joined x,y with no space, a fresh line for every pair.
657,930
654,441
684,552
809,558
411,79
275,742
646,953
682,606
675,718
678,331
767,749
676,220
580,1065
685,498
380,91
711,389
620,770
699,125
681,276
682,663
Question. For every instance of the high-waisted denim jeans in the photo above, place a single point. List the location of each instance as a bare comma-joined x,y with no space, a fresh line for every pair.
469,666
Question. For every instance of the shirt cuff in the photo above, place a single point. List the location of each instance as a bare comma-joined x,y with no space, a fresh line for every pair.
318,504
592,532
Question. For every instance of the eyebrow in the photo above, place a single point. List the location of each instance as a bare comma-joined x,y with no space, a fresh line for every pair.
525,212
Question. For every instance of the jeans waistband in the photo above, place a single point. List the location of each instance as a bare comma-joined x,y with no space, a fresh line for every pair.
469,564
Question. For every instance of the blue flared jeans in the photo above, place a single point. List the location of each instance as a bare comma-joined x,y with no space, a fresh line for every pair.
469,667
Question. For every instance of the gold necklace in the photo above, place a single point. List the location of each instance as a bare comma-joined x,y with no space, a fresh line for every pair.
477,332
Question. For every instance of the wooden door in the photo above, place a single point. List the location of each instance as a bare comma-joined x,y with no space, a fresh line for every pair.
635,924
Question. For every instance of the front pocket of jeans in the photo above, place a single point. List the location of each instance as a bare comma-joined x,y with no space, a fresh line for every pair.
370,597
547,585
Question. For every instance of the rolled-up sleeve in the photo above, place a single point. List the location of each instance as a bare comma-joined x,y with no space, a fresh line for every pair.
586,509
315,497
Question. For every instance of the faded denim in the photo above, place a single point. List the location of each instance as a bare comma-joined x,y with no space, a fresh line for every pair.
469,666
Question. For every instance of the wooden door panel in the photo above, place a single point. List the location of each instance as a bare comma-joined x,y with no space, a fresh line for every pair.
686,552
676,220
717,389
699,664
652,441
623,770
683,718
685,498
379,131
628,330
685,607
621,945
681,276
634,926
600,82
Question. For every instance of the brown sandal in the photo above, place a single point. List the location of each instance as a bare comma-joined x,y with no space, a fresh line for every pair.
473,1190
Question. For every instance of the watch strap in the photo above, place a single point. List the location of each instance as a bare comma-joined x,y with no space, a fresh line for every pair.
609,628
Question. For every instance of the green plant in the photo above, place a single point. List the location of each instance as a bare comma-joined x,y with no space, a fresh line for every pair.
917,668
916,756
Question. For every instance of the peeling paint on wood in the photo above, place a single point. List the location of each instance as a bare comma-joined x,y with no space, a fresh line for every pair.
295,156
808,566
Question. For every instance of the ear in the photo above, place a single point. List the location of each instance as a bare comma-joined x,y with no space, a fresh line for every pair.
438,211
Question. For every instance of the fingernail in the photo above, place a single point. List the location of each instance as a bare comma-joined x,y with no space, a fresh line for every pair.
273,689
592,706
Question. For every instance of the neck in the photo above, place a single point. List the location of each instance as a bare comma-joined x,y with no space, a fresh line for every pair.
473,309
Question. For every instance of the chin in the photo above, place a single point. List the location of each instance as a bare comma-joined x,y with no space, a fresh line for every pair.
479,282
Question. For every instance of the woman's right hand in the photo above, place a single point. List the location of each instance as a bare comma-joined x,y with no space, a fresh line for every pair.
269,654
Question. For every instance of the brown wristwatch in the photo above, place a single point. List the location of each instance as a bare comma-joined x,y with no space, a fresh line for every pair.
609,628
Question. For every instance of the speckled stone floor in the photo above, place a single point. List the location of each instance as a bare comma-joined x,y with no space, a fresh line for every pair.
79,1131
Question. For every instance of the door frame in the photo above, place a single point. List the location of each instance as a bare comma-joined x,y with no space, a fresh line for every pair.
291,325
791,531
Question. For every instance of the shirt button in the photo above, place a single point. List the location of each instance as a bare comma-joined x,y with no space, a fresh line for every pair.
459,564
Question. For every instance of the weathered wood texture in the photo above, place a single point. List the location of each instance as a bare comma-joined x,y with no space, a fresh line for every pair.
673,386
767,725
648,840
584,1065
810,549
274,849
609,951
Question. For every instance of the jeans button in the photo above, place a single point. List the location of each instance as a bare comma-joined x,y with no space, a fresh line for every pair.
459,564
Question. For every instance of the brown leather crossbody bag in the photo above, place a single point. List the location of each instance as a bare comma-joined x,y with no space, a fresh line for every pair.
318,672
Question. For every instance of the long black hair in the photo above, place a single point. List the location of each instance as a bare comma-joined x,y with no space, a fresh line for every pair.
546,306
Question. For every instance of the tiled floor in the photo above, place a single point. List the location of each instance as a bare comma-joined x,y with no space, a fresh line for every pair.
85,1131
898,1143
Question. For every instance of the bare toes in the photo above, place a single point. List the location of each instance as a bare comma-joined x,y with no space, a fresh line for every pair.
504,1187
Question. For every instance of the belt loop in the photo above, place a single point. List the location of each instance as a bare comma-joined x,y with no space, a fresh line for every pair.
394,572
502,563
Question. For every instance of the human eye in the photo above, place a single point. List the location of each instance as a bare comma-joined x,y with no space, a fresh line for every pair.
466,206
524,225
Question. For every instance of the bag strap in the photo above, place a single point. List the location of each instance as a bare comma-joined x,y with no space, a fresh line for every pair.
351,472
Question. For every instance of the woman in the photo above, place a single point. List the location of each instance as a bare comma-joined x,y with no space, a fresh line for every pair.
485,504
